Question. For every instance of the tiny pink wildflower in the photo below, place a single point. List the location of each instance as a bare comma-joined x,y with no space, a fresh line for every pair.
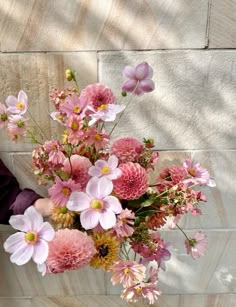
3,115
17,105
125,223
196,246
106,169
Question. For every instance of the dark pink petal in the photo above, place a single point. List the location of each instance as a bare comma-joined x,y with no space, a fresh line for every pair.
107,219
142,71
46,232
78,201
14,242
23,254
113,203
129,72
138,91
129,85
40,252
89,218
147,85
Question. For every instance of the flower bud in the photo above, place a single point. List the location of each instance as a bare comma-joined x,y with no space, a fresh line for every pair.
123,93
69,74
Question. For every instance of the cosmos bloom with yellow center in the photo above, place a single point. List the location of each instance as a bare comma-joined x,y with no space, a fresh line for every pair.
107,248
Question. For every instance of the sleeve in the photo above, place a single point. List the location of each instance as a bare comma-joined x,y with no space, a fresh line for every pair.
13,200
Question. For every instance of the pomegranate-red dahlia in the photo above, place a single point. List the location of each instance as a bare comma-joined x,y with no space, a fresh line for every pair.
133,182
127,149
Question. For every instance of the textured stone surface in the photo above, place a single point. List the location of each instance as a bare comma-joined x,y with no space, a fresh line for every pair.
38,75
15,302
29,25
193,106
222,29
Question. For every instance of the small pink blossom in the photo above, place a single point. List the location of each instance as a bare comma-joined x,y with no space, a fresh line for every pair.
106,113
74,105
196,246
138,79
97,206
61,190
127,273
17,105
124,224
32,240
17,125
75,132
55,155
106,169
3,115
196,174
99,139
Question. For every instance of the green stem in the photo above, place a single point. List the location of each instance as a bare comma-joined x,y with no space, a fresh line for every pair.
37,125
182,232
33,137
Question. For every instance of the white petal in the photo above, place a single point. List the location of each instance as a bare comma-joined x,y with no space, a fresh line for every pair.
114,204
89,218
107,219
105,187
46,232
23,254
78,201
92,187
20,222
11,101
14,242
34,218
113,161
40,252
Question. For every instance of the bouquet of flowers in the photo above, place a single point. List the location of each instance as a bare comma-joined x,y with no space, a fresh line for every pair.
107,213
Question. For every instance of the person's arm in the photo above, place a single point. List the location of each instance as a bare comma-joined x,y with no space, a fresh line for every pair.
13,200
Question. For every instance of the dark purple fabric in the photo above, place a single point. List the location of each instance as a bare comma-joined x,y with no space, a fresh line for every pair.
13,200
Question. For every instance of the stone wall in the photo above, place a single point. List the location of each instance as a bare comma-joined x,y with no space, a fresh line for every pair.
191,46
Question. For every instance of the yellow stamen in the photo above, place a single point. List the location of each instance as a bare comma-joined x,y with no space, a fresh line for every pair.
97,137
66,191
20,105
31,237
76,109
126,271
97,204
103,107
138,290
192,172
74,126
105,170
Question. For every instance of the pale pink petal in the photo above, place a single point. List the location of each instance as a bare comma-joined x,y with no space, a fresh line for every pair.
92,187
116,173
94,171
147,85
22,96
114,203
89,218
150,73
105,187
107,219
11,101
14,242
129,72
23,254
129,85
34,217
40,252
78,201
46,232
100,163
142,71
20,222
113,161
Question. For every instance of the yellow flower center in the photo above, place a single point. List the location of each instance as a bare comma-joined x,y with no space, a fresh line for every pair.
74,126
97,204
97,137
63,210
126,271
192,172
76,109
103,107
31,237
105,170
66,191
138,290
20,105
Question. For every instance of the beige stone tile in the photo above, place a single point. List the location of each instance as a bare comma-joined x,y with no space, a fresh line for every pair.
38,75
192,106
222,28
221,300
15,302
86,25
100,301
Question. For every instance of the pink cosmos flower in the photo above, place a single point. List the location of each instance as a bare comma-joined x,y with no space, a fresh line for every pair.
3,115
32,240
17,105
127,273
17,125
106,169
97,95
75,132
196,174
196,246
96,205
106,113
133,182
74,105
79,171
125,223
127,149
172,221
139,79
59,117
96,138
55,155
70,250
145,290
61,190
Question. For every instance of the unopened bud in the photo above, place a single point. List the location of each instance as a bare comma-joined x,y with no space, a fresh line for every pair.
69,74
123,93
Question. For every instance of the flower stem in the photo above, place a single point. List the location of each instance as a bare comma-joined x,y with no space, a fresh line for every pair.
182,232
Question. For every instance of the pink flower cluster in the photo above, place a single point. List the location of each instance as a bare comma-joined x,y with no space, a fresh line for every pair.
107,213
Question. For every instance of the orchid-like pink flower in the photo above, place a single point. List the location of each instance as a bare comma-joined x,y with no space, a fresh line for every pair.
17,105
196,174
138,79
106,113
32,240
106,169
96,205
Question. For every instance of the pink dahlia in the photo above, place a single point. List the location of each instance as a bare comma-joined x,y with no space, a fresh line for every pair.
133,182
138,79
70,250
98,95
196,246
127,149
127,273
78,167
60,192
